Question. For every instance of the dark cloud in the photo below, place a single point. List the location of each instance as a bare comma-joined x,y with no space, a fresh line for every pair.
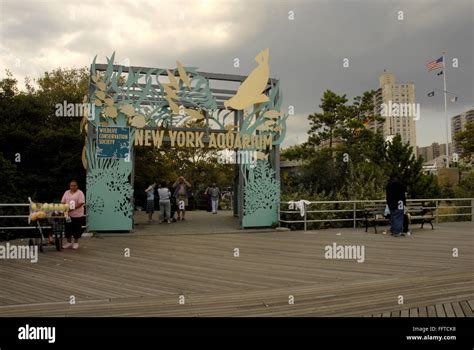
305,53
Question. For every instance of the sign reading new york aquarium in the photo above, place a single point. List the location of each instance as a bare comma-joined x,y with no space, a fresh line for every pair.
195,139
113,142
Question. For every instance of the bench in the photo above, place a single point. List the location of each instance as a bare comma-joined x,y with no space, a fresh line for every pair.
418,212
373,214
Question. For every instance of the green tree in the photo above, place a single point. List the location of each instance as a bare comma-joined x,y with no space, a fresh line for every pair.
465,140
400,161
326,126
465,188
297,152
45,149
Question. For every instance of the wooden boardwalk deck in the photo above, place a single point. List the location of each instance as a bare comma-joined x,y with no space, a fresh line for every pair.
271,267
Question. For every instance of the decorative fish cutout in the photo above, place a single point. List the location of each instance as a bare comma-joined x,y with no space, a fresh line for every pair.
277,128
194,114
267,125
272,114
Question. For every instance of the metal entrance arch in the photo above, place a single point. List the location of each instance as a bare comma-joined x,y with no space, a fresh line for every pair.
143,98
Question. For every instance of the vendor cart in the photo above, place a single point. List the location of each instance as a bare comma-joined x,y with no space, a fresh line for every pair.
50,223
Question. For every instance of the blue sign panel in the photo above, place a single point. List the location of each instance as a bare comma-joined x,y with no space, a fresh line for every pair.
113,142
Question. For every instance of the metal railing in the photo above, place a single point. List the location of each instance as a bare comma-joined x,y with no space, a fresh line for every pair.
23,217
353,207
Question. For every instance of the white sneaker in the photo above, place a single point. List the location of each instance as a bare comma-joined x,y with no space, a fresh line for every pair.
409,233
67,245
75,246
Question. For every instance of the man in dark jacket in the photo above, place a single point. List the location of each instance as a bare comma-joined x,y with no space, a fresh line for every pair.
396,201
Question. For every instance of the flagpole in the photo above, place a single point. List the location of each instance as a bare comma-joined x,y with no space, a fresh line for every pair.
446,110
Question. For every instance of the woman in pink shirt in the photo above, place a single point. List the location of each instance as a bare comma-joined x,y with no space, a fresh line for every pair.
75,199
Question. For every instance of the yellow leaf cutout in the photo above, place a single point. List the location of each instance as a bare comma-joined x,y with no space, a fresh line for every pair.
83,157
101,85
182,74
173,80
128,110
138,121
170,93
100,95
111,112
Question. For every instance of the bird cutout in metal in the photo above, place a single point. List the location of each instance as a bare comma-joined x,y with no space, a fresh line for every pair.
251,91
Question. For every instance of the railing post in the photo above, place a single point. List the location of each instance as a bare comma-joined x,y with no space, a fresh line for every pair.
279,214
354,207
304,206
437,213
472,209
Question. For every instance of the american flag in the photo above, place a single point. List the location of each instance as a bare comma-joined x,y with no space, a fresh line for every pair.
436,64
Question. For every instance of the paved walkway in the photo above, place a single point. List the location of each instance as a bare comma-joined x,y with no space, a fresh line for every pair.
197,221
274,274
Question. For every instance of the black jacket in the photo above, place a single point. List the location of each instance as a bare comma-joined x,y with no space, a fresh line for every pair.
395,192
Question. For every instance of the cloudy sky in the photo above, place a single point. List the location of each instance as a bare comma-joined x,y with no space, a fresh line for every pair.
308,41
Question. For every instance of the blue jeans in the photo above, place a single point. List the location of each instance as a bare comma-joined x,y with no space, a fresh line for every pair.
396,221
215,203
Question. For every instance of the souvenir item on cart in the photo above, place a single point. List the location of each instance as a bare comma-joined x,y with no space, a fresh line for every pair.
49,219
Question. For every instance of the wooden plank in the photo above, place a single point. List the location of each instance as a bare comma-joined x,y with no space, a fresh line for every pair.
414,312
466,309
440,310
457,310
395,314
422,311
171,260
431,311
404,313
449,310
471,304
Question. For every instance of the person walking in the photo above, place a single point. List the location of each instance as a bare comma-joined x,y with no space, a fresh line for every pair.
181,193
150,201
75,198
214,193
207,196
174,207
396,201
165,203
